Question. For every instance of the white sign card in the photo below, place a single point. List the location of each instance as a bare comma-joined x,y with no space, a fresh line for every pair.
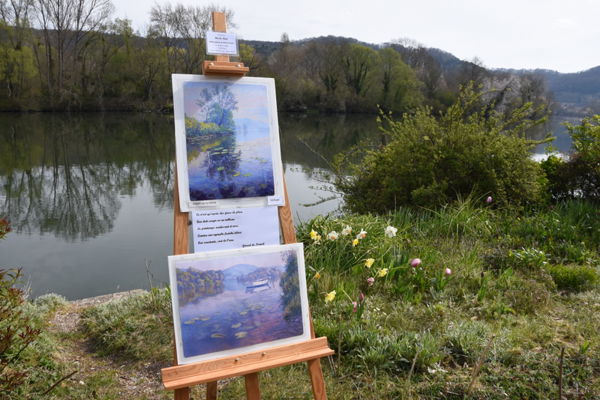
225,229
227,142
221,43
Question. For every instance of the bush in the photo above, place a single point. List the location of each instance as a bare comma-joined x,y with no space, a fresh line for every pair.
579,176
433,161
574,278
17,332
4,228
135,327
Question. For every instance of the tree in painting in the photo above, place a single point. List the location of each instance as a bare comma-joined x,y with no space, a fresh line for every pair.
290,286
217,104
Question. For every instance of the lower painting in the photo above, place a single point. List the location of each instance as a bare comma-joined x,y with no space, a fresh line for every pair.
236,301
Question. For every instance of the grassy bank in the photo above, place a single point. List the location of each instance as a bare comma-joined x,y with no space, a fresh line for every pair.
465,302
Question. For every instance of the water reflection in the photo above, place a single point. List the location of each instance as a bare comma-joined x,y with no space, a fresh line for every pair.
64,174
90,195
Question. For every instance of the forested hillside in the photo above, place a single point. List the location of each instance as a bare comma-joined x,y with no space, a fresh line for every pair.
77,57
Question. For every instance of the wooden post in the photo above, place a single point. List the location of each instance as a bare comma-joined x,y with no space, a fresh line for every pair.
180,246
181,378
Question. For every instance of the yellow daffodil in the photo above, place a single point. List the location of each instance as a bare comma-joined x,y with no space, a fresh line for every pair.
317,276
354,242
369,262
382,272
313,234
330,296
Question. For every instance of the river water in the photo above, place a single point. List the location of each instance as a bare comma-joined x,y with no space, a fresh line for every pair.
89,196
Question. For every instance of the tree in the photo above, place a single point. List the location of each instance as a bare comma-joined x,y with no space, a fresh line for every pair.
17,68
181,30
358,62
66,26
400,89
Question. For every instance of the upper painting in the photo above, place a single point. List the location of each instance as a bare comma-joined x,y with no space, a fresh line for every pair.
227,142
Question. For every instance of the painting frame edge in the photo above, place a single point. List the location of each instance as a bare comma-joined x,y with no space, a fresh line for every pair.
186,204
298,249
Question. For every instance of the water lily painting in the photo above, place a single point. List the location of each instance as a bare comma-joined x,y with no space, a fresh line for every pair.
236,301
227,141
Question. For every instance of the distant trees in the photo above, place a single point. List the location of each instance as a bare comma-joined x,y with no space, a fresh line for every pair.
70,54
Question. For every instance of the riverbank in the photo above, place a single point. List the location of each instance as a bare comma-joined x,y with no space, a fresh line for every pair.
466,302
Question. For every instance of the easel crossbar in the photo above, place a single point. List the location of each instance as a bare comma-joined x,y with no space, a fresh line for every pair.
182,376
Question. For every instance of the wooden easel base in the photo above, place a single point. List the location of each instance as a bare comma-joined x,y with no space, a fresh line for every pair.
182,376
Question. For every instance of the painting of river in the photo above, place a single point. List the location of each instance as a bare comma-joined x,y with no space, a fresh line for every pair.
229,141
229,304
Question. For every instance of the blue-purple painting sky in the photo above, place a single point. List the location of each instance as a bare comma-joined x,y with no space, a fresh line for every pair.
251,100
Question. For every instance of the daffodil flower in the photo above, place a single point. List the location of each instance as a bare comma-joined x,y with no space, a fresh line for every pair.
362,234
382,272
354,242
313,234
390,231
347,230
369,262
330,296
333,235
317,276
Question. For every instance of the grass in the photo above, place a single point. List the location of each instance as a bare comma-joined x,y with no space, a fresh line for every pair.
523,287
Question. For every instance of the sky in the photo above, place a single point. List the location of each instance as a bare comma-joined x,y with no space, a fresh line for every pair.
260,259
562,35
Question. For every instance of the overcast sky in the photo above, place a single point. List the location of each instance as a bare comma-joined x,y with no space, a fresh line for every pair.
562,35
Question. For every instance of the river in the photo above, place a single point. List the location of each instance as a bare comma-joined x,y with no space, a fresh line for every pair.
89,196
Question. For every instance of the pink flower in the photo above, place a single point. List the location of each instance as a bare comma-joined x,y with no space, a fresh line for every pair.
489,199
415,262
448,271
354,306
370,281
361,296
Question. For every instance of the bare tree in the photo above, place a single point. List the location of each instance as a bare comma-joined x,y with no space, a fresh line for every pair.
66,25
182,30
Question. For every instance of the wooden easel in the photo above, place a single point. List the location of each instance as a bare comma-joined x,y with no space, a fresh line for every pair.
181,377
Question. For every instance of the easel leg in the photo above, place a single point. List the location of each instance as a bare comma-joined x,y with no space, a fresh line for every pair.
211,391
316,379
252,388
182,394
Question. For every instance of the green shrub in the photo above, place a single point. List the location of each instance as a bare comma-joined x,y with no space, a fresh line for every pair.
579,176
431,161
574,278
527,258
17,332
135,327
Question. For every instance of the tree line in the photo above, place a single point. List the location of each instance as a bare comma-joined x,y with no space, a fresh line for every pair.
73,55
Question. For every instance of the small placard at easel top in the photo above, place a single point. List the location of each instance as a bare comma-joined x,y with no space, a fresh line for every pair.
181,377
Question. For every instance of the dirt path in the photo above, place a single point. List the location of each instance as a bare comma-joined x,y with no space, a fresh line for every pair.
136,380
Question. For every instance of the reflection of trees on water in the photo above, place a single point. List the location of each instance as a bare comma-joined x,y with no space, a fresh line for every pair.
64,174
223,160
327,135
